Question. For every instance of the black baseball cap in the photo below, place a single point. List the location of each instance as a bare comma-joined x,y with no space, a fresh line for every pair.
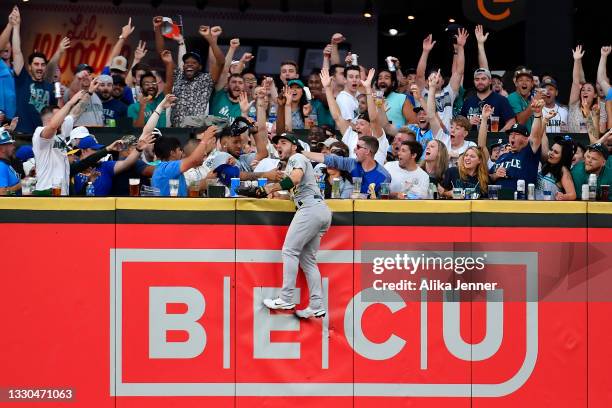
498,142
550,82
598,147
83,67
290,137
518,128
193,55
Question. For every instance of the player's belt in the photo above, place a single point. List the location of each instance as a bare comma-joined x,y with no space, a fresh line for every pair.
316,197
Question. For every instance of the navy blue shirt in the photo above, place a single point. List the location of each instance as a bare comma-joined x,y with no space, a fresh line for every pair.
473,106
121,182
522,165
102,184
377,175
114,109
32,97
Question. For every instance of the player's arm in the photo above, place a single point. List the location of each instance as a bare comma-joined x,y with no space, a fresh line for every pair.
287,183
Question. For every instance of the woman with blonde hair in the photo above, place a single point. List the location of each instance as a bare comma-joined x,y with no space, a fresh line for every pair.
436,161
471,173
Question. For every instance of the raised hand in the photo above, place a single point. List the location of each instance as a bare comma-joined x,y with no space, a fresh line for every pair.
246,57
216,31
127,29
209,134
115,146
337,38
243,100
577,52
537,105
143,100
145,140
168,101
487,111
166,57
481,37
77,97
64,45
348,60
157,22
282,98
307,110
367,84
325,79
234,43
428,43
605,50
327,51
462,36
551,114
433,79
205,32
93,86
15,17
140,51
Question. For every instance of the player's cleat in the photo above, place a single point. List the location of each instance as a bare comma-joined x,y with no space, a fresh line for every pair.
308,313
278,304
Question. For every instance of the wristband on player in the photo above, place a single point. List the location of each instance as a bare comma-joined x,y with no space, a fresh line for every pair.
286,183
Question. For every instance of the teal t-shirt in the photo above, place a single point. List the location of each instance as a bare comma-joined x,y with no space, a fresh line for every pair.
395,101
581,177
134,108
518,105
223,107
324,116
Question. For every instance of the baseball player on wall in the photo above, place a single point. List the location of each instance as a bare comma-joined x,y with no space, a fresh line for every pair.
312,219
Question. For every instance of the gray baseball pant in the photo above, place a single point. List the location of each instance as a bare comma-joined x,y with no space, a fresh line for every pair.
301,247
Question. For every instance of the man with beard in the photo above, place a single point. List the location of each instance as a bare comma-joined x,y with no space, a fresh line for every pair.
113,109
520,100
347,99
151,96
400,108
522,162
33,93
550,99
472,107
93,111
310,222
595,162
192,86
226,102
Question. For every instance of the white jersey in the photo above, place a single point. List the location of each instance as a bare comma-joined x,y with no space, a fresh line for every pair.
557,121
51,158
349,105
444,104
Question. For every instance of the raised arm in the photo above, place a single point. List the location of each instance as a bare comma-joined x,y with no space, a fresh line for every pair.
166,57
211,35
261,137
389,128
15,21
459,66
334,109
207,144
168,101
428,45
139,53
327,51
58,117
54,61
537,128
481,38
5,36
145,140
126,30
486,113
229,57
408,111
159,38
592,122
432,115
577,75
375,123
288,111
315,157
336,39
602,77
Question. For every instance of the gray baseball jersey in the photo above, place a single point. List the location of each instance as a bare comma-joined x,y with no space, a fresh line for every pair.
308,188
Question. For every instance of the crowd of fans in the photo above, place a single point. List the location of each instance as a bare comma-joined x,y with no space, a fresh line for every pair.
390,132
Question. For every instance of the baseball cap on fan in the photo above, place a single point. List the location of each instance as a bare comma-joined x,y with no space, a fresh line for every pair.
119,63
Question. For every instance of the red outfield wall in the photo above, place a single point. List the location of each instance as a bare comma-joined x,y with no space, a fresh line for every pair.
157,303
